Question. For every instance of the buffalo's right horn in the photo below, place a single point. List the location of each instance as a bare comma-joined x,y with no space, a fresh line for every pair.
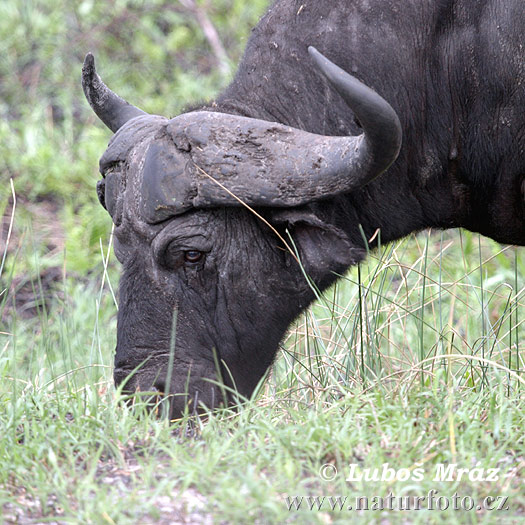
111,109
382,129
263,163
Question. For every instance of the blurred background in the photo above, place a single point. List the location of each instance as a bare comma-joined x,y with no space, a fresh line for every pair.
159,54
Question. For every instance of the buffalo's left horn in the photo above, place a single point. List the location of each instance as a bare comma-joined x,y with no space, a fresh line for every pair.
111,109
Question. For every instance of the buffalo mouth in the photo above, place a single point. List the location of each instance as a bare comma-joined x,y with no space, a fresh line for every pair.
146,389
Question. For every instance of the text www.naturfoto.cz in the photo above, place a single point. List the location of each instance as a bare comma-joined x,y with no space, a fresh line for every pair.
431,502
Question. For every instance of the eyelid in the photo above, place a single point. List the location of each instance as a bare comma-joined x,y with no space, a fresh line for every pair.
171,234
179,249
181,246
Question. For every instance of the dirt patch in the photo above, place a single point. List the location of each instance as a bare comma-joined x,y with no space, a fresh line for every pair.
25,294
184,507
178,508
27,297
46,228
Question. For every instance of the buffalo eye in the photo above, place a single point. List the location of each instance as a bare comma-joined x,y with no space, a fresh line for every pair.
193,256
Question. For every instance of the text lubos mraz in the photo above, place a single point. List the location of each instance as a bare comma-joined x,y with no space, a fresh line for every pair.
442,472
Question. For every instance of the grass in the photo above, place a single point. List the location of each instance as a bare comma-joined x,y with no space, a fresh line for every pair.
413,360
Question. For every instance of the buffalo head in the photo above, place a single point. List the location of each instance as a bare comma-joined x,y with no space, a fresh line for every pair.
202,206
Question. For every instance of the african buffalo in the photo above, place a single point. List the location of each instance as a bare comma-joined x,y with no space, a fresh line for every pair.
203,202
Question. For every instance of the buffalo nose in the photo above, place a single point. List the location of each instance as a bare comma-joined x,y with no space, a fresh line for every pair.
160,386
120,375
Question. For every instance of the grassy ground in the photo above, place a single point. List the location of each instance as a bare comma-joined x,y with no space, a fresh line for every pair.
413,361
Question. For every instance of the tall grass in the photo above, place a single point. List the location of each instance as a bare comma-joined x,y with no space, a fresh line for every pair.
441,301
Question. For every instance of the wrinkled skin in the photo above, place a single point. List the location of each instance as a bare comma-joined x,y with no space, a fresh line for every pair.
462,164
219,303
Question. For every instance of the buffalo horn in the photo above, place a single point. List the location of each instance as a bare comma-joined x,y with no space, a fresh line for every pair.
379,121
111,109
265,163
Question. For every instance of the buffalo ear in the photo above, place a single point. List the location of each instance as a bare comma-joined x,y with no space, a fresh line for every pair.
324,250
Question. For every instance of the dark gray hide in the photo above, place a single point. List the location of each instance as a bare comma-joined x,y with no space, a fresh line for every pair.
305,144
